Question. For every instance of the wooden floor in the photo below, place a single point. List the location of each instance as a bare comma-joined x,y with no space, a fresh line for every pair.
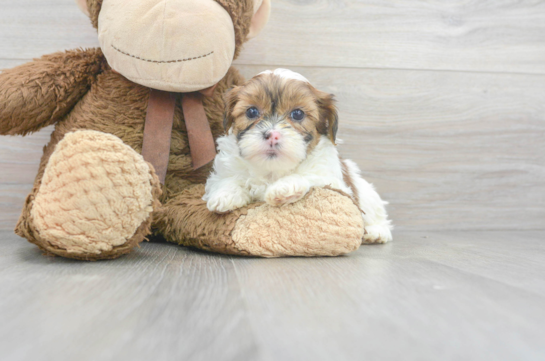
428,296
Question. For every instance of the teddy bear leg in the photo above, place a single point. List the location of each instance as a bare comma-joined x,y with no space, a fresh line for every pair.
325,222
94,201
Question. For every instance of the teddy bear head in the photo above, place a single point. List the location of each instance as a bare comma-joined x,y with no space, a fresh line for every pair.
175,45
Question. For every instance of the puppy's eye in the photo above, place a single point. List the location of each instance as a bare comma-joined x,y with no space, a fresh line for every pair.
297,115
252,113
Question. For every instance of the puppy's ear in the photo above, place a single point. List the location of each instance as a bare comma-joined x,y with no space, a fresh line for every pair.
328,114
231,99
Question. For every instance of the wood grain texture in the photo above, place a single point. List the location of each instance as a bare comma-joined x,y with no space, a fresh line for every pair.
32,28
486,35
150,305
428,296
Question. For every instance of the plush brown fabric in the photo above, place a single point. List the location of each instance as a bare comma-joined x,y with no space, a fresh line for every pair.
186,220
93,6
40,93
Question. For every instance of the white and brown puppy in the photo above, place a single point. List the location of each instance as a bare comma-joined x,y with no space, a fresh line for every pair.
280,142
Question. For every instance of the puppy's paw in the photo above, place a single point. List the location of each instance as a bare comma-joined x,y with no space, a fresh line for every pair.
377,233
227,200
286,191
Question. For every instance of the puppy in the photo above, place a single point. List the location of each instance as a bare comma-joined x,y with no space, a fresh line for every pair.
280,142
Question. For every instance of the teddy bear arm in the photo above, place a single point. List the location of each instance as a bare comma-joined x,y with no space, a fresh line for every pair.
41,92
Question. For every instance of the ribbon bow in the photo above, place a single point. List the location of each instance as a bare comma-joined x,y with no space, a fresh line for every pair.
158,129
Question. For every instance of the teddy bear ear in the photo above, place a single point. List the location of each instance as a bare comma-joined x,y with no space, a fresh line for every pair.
91,8
82,4
260,18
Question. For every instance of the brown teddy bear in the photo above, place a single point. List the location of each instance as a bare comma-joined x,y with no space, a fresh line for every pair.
135,124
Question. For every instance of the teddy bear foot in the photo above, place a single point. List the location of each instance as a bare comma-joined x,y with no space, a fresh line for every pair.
325,222
94,201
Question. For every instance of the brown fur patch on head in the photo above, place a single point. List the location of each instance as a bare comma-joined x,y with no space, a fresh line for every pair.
328,114
276,98
231,99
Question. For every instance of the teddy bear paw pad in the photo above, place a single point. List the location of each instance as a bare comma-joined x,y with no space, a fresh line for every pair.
95,194
324,223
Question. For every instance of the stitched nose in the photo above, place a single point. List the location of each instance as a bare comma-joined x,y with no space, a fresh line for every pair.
272,137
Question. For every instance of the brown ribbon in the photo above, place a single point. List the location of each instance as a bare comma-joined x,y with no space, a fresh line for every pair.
201,141
158,129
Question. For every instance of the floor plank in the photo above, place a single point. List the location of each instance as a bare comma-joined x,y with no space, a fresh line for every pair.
156,303
427,296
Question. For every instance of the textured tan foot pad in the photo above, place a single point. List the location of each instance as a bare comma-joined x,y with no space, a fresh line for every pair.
95,194
324,223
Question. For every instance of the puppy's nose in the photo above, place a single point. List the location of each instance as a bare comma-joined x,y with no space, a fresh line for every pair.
272,136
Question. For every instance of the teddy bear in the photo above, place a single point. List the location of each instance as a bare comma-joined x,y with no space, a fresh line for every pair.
135,124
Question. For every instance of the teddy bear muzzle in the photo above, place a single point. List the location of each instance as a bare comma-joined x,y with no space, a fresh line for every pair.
185,45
